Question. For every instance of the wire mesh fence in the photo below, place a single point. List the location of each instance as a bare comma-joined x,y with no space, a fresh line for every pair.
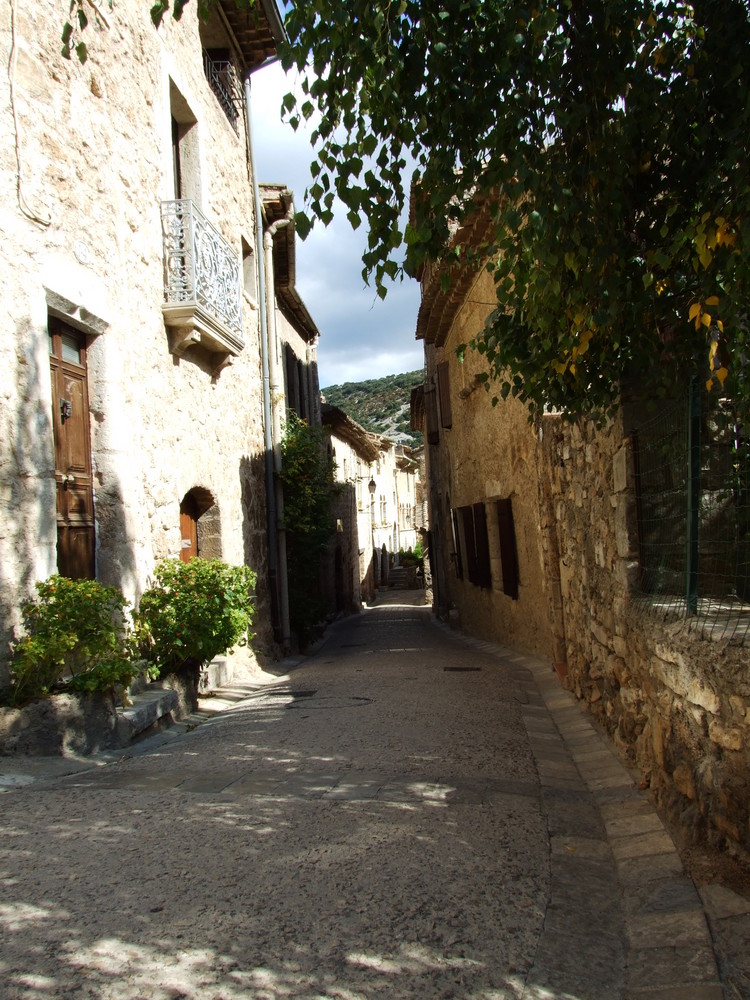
692,470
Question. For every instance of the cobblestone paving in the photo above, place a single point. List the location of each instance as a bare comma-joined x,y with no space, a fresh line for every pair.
406,815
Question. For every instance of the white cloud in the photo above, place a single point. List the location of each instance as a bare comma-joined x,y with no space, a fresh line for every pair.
361,336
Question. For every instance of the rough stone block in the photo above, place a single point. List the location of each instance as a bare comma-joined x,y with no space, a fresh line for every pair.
728,738
620,470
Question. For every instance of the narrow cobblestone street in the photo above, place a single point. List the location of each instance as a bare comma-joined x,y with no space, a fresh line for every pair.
406,814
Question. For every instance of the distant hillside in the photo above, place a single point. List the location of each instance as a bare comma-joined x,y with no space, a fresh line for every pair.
380,405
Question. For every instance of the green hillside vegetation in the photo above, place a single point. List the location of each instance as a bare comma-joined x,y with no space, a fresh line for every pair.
380,405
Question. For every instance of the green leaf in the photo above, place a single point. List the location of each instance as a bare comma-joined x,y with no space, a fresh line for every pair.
302,225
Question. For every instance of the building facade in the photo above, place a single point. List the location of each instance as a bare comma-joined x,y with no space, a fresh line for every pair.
615,553
350,571
131,363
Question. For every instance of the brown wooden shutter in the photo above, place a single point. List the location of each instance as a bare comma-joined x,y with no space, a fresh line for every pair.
444,389
467,521
508,551
457,545
430,410
482,544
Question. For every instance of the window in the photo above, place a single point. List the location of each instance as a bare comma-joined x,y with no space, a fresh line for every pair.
457,549
444,392
224,82
470,533
185,151
508,551
430,413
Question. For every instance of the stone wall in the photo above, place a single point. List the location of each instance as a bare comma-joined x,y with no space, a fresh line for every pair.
489,453
676,702
95,147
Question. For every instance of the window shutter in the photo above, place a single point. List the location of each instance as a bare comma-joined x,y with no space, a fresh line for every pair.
430,411
444,389
508,552
457,545
482,543
467,521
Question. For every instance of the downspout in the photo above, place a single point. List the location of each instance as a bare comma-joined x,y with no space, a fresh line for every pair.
277,398
267,420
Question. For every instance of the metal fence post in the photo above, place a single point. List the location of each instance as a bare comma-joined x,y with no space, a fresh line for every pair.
693,494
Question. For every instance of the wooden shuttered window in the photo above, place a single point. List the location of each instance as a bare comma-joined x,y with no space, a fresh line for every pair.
466,515
459,564
472,544
482,547
444,392
430,413
508,551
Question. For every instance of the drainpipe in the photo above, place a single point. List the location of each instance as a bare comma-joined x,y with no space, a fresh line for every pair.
267,420
277,400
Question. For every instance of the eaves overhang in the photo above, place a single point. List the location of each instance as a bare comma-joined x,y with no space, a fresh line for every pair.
350,431
445,286
258,29
277,200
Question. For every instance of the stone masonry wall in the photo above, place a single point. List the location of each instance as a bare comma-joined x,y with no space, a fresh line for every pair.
94,145
677,704
489,453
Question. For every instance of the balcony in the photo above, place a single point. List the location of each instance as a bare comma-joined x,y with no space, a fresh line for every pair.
202,289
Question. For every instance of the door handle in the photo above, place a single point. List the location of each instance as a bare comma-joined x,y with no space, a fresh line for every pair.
66,409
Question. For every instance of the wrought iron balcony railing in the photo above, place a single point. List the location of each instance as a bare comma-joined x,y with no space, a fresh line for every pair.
202,288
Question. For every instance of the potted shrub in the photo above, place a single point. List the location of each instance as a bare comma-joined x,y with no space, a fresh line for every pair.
192,612
68,669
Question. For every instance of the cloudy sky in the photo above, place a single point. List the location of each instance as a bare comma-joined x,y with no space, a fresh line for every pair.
362,336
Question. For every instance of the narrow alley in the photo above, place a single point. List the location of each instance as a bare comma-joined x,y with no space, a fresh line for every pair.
408,813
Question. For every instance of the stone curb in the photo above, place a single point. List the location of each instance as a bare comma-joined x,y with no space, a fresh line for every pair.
669,952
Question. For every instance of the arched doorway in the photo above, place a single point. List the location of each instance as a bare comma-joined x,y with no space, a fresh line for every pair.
200,526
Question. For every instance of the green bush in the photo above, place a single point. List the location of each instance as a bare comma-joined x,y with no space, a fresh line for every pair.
413,557
309,489
76,639
193,612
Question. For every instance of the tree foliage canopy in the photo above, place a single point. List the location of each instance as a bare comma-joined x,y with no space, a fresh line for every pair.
605,142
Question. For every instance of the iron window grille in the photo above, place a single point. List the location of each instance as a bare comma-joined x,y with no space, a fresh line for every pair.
222,79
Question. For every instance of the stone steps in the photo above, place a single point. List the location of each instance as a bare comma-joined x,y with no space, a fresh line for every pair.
146,709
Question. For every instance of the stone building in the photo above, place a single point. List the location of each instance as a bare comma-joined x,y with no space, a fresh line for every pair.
292,369
378,510
395,500
351,565
133,356
571,542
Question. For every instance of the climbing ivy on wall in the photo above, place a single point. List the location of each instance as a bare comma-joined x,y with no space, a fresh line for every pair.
307,474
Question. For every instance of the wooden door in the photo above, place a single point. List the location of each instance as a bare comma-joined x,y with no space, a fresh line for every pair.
72,433
189,515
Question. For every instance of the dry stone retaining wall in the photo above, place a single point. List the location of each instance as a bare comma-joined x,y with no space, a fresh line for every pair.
677,704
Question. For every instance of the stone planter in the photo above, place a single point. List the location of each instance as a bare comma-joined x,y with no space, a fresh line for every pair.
60,726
